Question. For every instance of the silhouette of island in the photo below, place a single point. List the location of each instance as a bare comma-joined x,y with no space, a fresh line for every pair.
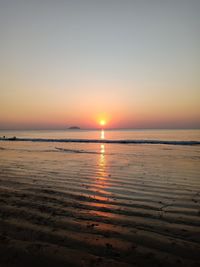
74,128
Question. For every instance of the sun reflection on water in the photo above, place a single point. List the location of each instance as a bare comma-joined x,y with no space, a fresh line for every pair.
102,149
102,163
102,134
102,182
102,171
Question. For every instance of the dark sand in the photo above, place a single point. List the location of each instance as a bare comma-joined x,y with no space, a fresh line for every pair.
72,209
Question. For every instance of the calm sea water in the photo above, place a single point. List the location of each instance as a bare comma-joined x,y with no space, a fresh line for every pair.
175,135
149,161
145,194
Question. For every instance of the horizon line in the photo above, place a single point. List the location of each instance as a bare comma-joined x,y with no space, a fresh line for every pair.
100,128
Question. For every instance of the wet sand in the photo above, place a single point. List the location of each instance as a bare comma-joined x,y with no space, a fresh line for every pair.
118,205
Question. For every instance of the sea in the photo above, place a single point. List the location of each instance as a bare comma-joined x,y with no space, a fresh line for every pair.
121,134
118,195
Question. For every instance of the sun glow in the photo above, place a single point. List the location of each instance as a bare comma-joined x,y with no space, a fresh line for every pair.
102,122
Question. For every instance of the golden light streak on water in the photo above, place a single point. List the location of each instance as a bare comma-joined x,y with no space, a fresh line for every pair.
102,134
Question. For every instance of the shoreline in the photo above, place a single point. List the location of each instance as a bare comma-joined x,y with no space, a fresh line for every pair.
103,141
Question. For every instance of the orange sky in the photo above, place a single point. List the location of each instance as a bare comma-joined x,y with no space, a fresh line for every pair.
39,109
134,65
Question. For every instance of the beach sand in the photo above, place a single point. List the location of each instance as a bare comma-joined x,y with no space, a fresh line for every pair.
99,205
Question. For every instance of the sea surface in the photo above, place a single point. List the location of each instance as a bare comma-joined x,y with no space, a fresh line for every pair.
175,135
112,204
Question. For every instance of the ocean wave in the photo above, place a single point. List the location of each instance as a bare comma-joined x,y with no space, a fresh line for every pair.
76,150
57,149
105,141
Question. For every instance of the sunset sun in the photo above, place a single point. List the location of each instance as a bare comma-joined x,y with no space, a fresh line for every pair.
102,122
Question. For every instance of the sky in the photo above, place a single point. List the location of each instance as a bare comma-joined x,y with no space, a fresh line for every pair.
132,63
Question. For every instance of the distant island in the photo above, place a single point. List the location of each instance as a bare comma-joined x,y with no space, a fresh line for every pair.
74,128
